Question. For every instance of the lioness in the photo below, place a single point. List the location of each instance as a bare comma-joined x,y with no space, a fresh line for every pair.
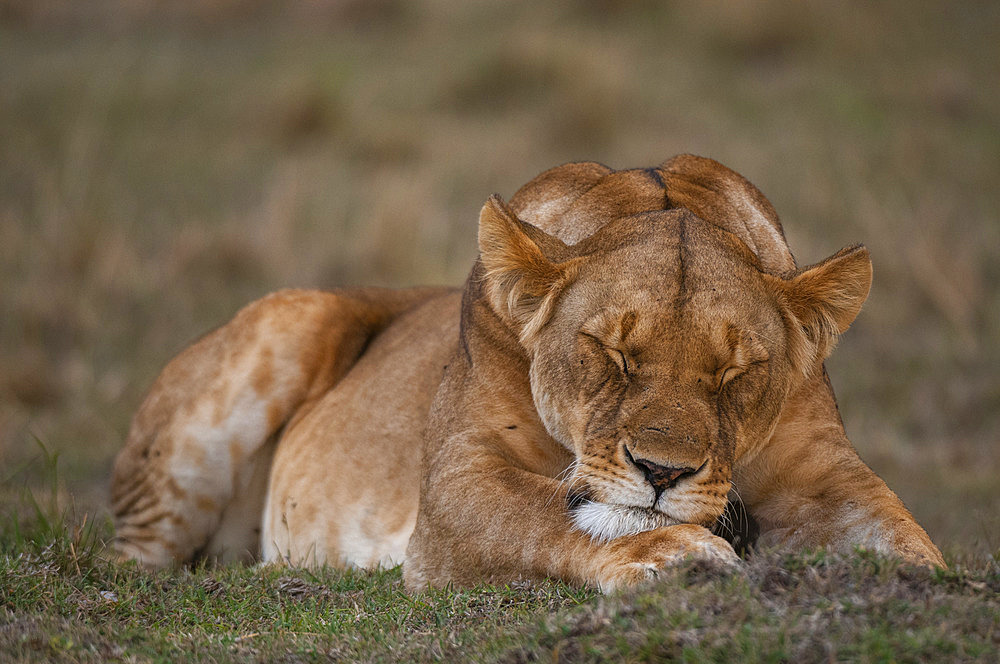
633,351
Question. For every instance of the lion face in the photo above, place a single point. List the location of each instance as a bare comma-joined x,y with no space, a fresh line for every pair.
660,363
660,354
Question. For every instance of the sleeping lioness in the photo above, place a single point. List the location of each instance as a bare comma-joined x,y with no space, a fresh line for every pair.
632,352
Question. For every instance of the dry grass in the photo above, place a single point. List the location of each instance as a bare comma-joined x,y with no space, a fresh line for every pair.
161,165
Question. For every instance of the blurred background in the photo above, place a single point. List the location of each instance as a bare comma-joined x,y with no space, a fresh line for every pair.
163,163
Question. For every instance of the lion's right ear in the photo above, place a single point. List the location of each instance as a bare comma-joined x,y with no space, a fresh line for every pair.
521,283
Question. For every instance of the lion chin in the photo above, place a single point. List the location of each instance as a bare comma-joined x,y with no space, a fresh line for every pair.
606,521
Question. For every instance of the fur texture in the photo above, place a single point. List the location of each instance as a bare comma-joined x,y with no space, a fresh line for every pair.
632,349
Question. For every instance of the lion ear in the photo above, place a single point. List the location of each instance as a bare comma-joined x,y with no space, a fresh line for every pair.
824,300
521,282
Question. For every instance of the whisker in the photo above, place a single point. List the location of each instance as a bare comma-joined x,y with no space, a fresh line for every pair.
743,516
567,473
742,526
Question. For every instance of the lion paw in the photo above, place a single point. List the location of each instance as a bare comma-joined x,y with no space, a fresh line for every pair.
640,557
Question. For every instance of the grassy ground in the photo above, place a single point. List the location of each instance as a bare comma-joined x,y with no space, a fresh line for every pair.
163,163
62,602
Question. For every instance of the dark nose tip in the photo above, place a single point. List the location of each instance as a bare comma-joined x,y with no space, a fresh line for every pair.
657,475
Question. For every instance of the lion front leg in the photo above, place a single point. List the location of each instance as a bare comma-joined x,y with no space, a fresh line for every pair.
855,509
192,475
489,521
807,488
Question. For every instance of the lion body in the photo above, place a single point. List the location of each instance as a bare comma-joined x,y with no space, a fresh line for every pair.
346,480
614,366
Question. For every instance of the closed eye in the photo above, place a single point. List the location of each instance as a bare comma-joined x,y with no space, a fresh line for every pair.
728,374
620,359
618,356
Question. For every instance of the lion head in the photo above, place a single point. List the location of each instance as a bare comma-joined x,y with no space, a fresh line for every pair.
661,352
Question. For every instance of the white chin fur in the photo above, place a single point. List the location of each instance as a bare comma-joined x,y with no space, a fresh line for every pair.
604,522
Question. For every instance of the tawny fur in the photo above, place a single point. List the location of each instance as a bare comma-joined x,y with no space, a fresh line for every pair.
616,321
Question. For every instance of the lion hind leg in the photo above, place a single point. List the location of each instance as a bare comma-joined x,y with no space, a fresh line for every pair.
191,477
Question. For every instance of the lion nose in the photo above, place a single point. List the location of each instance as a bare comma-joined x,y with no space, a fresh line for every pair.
659,476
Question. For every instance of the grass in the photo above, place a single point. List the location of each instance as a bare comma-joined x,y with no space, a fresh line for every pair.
163,166
63,601
164,163
241,613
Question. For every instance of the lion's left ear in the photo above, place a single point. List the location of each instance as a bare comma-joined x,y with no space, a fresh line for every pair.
824,299
521,282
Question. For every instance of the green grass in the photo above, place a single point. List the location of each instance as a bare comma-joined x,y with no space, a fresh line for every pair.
163,163
62,601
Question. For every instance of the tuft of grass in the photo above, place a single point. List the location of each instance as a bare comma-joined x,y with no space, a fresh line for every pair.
38,521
